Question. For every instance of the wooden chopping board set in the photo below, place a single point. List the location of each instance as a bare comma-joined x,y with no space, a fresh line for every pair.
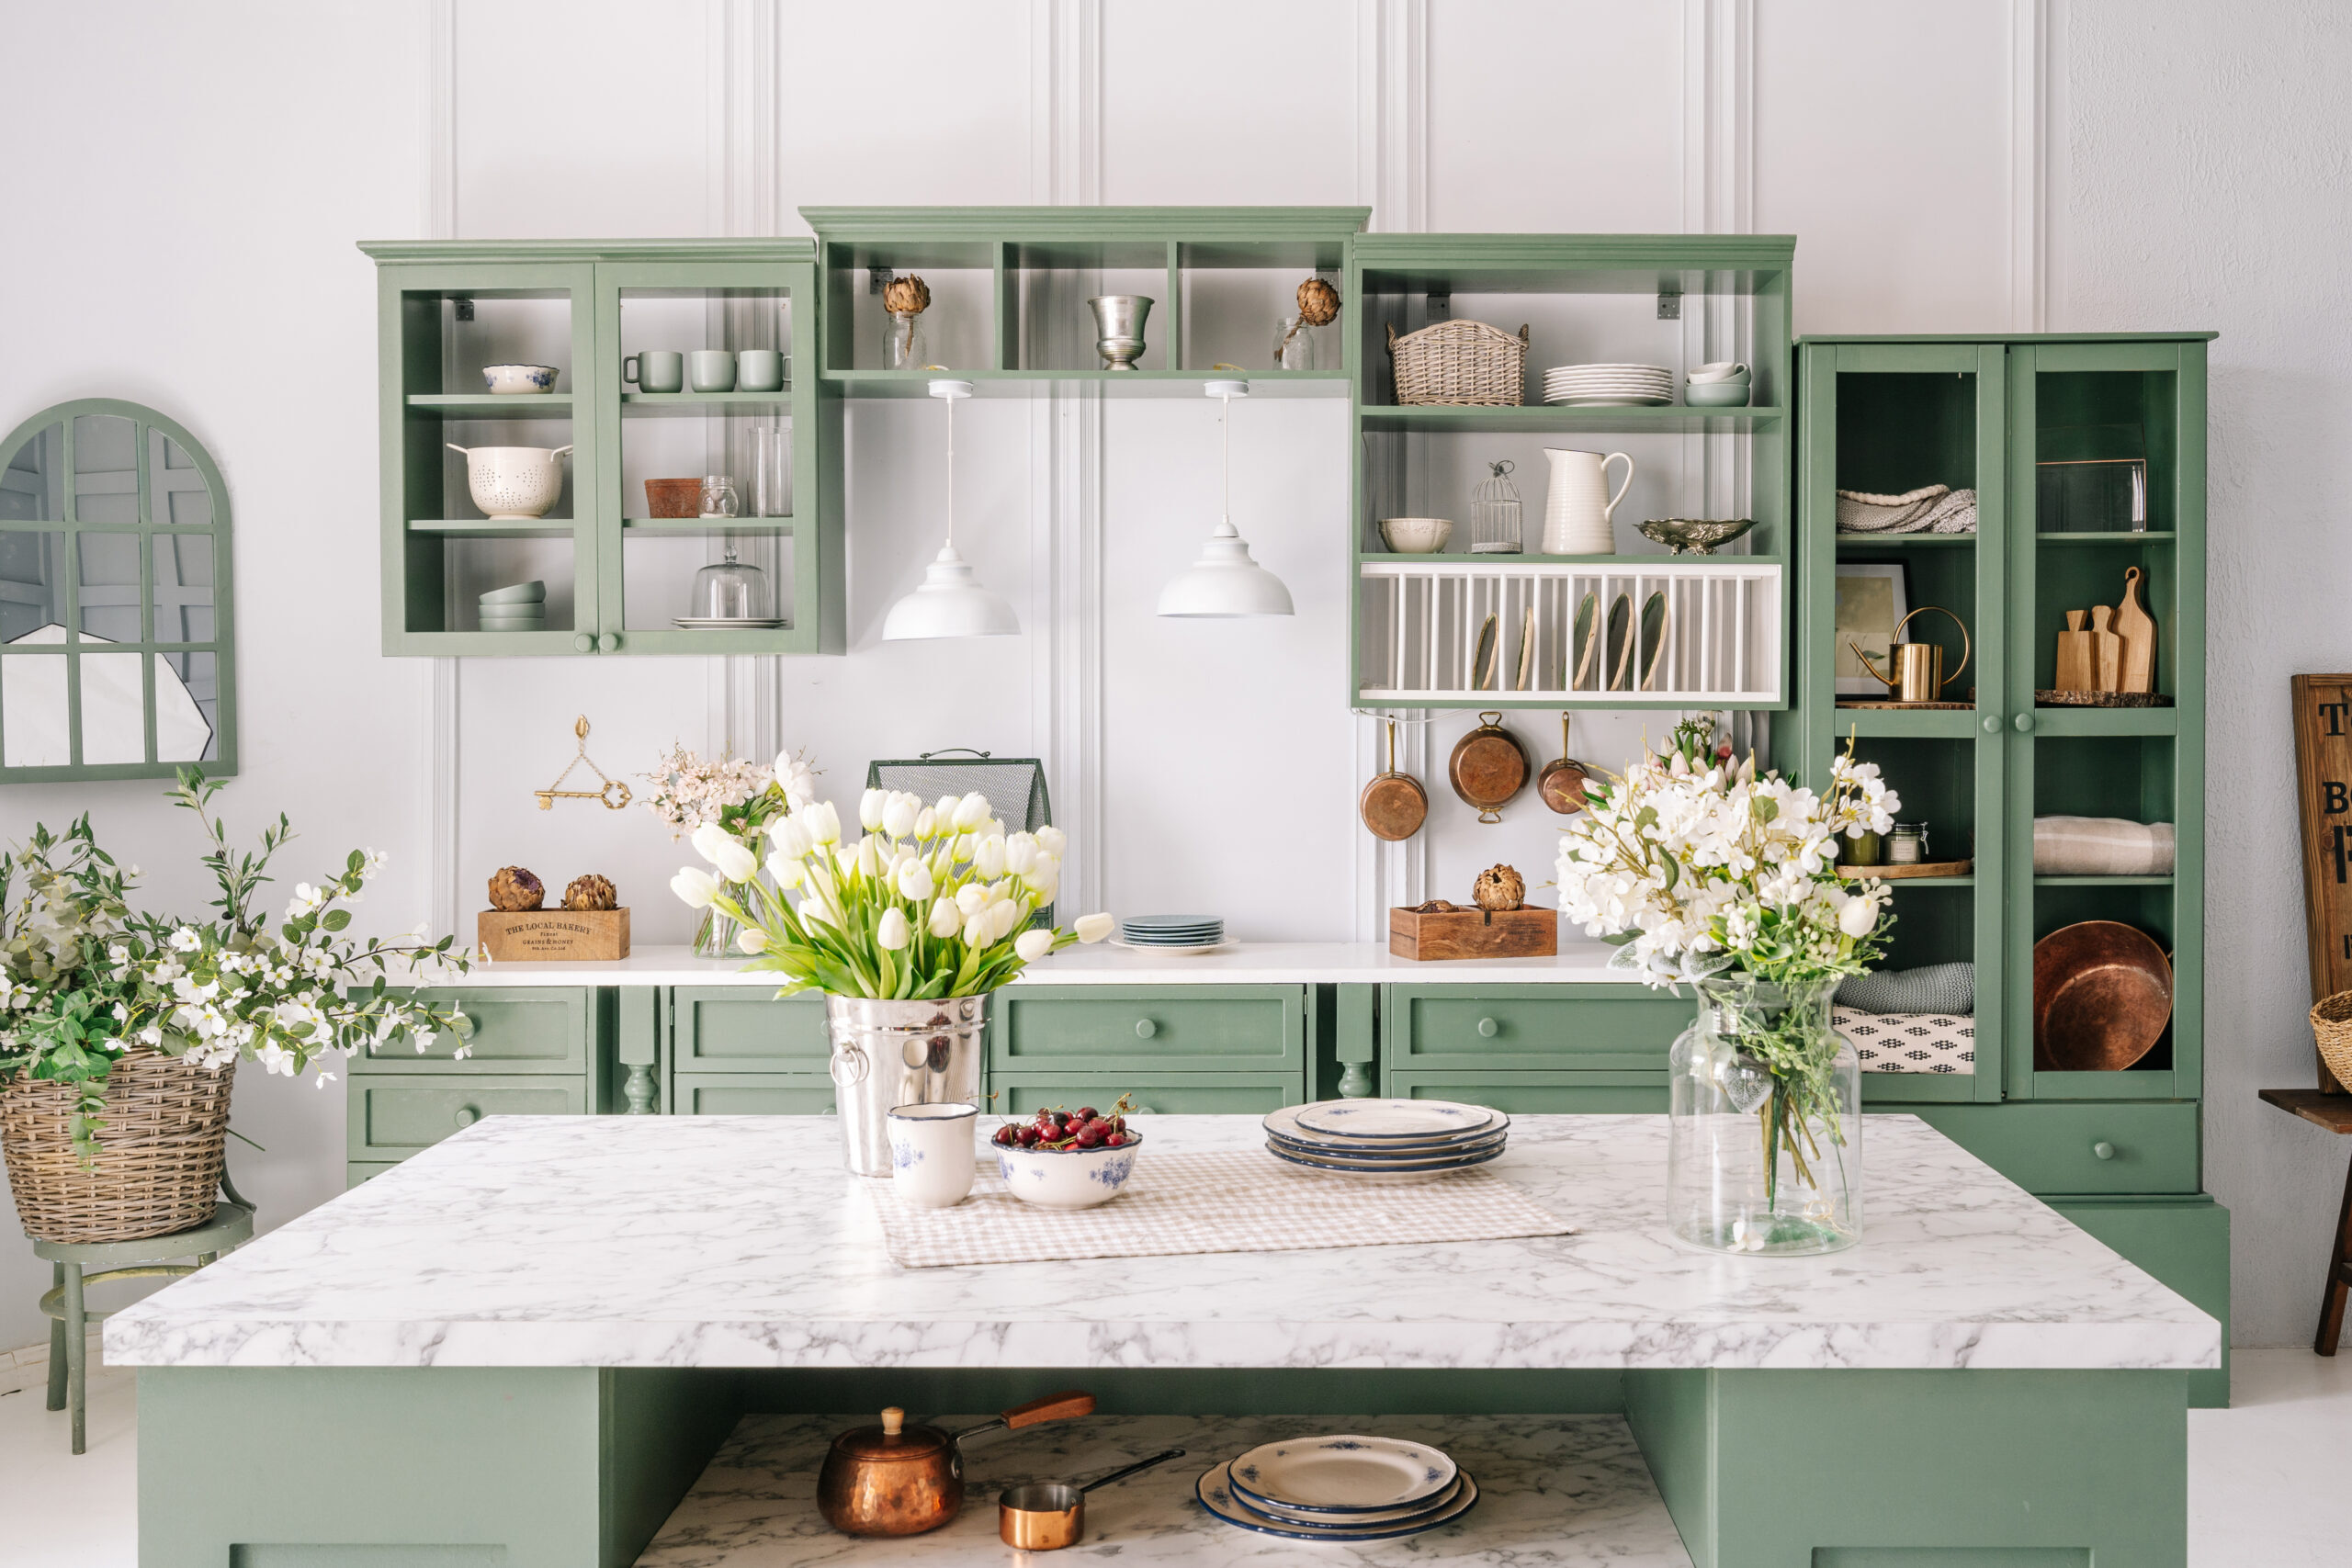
2116,651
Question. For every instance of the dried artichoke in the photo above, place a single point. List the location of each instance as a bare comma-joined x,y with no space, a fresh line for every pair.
908,296
515,888
1318,302
590,892
1500,888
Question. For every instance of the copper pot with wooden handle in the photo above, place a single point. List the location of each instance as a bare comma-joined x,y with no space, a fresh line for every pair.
1562,781
899,1479
1394,805
1488,767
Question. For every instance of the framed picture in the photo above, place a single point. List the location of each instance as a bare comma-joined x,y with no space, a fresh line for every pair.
1872,599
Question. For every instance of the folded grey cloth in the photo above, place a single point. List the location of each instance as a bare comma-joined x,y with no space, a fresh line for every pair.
1948,988
1930,509
2101,846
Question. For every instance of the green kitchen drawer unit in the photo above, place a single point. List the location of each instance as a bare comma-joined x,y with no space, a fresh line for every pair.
517,1030
752,1094
745,1029
1554,1027
392,1117
2079,1148
1223,1094
1533,1094
2185,1243
356,1171
1231,1031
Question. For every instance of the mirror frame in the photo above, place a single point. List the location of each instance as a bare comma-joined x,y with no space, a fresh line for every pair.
221,644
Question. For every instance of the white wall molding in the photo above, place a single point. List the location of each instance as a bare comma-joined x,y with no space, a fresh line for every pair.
1717,154
440,222
2030,31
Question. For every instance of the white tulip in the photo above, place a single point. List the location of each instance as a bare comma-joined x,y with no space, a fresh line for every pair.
696,887
945,810
824,822
1044,872
926,823
971,898
987,858
790,837
869,856
1857,917
898,815
1019,853
709,839
1042,891
735,863
1052,840
1031,945
750,939
945,920
971,811
890,931
914,882
975,930
1003,917
870,807
786,871
1094,927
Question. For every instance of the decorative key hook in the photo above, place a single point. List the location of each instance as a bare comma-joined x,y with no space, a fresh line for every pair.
555,792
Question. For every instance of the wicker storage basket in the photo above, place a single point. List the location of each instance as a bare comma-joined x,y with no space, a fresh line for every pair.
2331,1027
1460,362
160,1151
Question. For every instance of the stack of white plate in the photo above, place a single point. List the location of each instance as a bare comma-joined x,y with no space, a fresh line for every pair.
1386,1140
1173,933
1600,385
1340,1487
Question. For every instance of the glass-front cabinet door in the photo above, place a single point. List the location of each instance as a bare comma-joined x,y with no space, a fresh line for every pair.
1896,440
709,460
2107,483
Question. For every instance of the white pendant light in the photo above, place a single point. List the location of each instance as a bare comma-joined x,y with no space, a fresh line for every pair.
1224,580
950,602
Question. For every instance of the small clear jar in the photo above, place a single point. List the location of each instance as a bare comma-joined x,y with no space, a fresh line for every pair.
908,347
1907,845
1294,344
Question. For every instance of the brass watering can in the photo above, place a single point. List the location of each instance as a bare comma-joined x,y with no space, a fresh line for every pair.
1918,666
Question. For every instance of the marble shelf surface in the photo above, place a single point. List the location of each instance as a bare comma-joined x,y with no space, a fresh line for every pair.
725,1241
1554,1492
1240,963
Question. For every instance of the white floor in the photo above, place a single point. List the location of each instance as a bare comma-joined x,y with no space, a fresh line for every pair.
2264,1476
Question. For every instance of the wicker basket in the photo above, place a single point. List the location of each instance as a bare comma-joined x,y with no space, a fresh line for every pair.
2331,1027
160,1151
1460,362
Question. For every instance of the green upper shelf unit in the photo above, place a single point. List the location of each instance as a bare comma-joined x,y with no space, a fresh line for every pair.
1009,288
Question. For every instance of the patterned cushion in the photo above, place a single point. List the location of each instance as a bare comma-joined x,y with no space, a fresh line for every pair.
1909,1042
1939,987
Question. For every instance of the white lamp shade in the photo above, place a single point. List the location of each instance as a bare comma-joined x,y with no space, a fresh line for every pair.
1224,581
951,602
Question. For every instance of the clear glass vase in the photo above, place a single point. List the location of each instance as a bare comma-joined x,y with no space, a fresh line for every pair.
1765,1151
1294,344
715,938
906,348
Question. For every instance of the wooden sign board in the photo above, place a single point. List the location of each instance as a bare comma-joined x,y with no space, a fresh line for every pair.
2324,791
542,936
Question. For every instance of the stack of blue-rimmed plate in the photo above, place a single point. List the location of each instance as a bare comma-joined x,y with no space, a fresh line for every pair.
1386,1140
1173,933
1341,1487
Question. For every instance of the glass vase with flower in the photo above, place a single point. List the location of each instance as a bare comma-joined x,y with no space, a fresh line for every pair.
1702,871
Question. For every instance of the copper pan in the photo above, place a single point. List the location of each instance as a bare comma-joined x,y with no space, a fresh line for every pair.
1046,1516
2102,995
1393,804
1488,767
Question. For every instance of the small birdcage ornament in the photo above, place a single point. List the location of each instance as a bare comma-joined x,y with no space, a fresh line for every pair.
1493,514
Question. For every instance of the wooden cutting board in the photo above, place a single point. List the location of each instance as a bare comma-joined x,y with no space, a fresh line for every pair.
2106,650
2073,671
2138,630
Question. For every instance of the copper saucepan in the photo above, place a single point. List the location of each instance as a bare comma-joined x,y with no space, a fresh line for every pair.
1562,781
899,1479
1046,1516
1393,804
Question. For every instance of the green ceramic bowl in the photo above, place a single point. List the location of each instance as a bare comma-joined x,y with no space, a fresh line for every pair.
1716,394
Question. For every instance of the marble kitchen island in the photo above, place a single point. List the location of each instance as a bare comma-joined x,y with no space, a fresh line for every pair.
525,1344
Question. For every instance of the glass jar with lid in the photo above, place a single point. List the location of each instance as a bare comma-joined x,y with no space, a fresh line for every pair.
728,589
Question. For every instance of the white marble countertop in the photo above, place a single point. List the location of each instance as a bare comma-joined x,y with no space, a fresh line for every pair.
723,1241
1240,963
1554,1492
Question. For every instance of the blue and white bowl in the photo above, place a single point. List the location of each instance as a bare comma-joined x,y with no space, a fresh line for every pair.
1068,1179
507,380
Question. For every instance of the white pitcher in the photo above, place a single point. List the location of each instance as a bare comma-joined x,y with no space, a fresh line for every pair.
1577,506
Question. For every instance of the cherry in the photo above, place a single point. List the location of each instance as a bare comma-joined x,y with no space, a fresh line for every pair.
1114,1140
1028,1137
1084,1114
1089,1135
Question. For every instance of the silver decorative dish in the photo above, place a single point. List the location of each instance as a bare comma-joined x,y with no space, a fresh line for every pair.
1699,536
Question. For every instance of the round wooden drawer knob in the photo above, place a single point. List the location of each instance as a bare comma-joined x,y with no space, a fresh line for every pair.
609,643
1145,1029
1992,724
2024,723
2103,1149
467,1116
585,643
1488,1028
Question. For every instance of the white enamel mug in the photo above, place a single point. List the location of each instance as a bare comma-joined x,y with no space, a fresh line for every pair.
1577,507
931,1153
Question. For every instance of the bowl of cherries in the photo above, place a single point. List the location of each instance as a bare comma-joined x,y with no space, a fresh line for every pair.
1068,1160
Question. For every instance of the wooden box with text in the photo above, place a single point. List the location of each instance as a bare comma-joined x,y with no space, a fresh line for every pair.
2324,792
553,936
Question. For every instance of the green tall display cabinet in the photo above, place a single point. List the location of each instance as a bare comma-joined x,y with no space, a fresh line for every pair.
618,571
2088,458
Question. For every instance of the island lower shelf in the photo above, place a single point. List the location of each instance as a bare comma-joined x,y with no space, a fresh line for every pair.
1553,1490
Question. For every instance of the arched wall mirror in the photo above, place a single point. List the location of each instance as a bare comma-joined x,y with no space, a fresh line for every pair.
115,652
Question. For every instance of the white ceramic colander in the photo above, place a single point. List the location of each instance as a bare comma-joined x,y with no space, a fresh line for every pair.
513,483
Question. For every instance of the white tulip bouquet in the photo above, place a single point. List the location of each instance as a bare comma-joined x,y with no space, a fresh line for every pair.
930,901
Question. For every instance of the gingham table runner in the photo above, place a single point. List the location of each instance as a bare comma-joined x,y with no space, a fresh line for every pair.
1236,1200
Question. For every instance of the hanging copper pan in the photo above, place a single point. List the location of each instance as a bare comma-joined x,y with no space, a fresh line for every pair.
1562,781
1394,805
1488,767
2102,995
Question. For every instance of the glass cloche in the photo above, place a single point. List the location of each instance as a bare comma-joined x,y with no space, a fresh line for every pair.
728,589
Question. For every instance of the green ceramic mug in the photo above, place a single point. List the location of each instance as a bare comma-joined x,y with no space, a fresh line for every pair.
759,370
656,371
711,369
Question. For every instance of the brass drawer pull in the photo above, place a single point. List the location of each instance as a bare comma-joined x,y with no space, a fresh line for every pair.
1488,1028
1145,1029
2103,1149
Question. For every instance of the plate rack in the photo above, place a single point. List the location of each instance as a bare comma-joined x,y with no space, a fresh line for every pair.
1420,623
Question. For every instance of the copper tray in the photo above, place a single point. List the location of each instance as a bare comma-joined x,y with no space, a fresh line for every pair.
2102,995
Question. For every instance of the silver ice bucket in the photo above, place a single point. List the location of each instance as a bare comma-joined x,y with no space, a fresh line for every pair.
888,1054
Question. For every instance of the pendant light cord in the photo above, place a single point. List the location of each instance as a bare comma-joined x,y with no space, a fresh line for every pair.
1225,457
951,470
